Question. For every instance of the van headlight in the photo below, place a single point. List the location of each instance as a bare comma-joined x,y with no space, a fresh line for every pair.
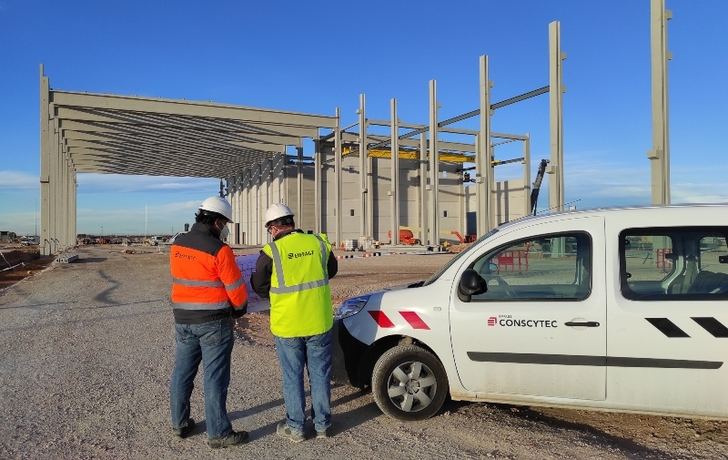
351,307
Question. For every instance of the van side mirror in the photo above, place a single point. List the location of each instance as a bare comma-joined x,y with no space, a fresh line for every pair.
471,283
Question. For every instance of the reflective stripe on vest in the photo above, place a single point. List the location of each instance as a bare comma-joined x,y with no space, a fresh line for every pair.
198,283
200,306
282,288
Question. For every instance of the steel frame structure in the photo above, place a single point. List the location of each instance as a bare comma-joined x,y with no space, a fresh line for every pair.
247,146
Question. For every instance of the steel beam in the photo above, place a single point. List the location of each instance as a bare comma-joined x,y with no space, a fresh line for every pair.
394,147
556,91
659,156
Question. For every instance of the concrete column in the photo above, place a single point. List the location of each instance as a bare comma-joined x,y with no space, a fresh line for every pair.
258,211
317,186
268,185
74,207
659,156
363,156
434,166
299,184
45,166
484,178
235,202
556,90
63,198
54,218
249,208
422,193
527,171
394,148
337,177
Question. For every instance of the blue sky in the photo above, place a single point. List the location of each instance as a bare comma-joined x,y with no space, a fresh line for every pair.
315,56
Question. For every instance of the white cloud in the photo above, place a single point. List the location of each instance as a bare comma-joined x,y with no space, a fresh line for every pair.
18,180
94,183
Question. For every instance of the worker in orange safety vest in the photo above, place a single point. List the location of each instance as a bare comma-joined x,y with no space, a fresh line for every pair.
208,292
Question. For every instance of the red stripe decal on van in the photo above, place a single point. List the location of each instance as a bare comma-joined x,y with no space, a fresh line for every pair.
414,320
381,319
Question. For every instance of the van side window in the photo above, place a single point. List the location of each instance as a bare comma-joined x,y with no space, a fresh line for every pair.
677,263
549,267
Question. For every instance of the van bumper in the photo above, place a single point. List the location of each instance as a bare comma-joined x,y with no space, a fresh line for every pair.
347,355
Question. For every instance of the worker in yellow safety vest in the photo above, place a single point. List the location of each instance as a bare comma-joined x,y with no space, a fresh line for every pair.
294,270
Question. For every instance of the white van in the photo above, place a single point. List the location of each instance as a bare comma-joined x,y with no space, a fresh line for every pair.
620,309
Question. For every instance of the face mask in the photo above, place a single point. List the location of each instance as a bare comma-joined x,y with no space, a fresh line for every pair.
224,233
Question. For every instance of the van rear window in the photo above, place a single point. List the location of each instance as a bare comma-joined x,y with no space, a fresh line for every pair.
675,263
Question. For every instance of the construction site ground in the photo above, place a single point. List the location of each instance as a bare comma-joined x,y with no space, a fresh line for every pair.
87,351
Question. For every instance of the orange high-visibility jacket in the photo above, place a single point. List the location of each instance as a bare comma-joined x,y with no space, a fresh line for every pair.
206,282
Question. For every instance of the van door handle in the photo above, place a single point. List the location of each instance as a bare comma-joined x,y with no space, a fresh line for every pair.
582,323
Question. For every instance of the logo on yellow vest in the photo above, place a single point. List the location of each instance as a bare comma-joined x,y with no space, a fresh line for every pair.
296,255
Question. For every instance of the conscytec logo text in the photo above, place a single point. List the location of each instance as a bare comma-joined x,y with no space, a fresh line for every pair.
296,255
509,321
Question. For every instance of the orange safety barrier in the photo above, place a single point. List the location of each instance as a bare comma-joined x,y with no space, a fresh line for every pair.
509,260
662,259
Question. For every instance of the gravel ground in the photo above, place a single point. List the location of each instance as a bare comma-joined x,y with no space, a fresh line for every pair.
87,355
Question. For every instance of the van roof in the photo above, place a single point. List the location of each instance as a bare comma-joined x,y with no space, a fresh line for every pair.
672,208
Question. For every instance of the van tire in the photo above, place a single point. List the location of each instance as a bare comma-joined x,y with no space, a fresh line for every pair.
419,391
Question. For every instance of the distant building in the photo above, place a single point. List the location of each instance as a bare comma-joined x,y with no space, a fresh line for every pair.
7,236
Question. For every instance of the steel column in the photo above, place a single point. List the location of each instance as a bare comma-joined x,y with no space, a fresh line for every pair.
556,95
363,155
337,177
659,156
434,166
394,148
484,178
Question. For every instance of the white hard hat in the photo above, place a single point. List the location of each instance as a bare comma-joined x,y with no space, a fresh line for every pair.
276,211
219,205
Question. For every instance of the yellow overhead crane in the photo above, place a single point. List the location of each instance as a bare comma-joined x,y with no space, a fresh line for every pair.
408,154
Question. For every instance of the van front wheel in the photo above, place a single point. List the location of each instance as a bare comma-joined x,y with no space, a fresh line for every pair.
409,383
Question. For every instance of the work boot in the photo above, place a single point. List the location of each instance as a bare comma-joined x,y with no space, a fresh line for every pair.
186,429
285,431
324,434
233,439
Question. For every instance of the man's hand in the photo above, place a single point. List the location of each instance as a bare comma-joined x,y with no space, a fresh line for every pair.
239,312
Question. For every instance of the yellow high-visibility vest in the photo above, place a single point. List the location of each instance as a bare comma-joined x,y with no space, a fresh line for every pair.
300,297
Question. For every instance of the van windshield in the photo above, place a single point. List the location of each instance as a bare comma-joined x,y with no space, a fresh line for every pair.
442,270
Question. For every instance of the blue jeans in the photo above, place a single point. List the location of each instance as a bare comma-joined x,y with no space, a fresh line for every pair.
315,353
211,343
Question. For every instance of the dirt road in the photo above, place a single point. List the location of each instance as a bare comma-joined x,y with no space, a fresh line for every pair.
87,354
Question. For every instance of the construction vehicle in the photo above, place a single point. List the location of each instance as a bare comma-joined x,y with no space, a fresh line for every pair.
537,185
405,237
